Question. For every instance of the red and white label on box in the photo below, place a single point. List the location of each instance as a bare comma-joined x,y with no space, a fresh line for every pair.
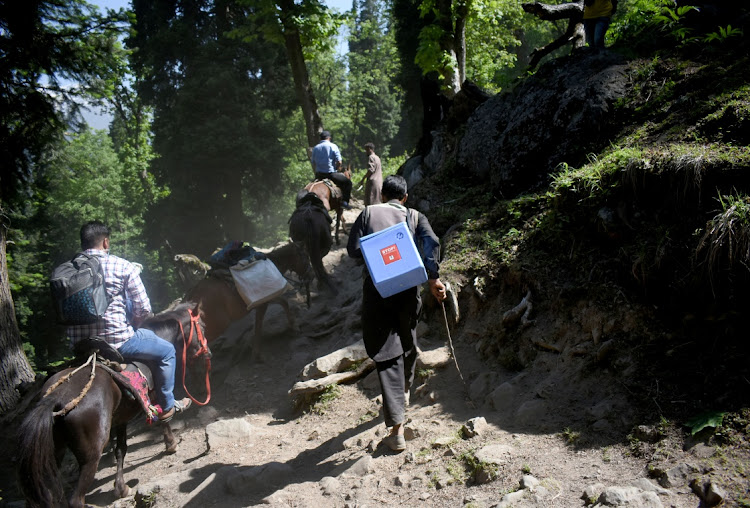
390,254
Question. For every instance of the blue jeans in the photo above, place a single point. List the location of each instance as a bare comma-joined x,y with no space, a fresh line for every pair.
595,29
147,347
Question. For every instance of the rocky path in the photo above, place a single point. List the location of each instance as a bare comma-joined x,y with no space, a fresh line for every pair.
254,445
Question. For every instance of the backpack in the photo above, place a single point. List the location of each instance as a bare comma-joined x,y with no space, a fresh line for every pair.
78,290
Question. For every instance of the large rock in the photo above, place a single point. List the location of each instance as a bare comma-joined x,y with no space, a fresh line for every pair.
503,396
237,431
628,497
558,115
496,454
434,358
337,361
412,171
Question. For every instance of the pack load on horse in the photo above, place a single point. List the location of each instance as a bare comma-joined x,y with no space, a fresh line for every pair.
81,405
220,299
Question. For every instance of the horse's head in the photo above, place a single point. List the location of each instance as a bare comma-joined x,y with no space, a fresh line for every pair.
182,325
196,343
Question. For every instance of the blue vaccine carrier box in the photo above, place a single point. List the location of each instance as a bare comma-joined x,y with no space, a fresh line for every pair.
393,260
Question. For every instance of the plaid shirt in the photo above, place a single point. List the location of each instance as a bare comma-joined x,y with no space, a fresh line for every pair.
122,280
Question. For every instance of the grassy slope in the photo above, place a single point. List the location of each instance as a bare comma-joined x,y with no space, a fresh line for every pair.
657,223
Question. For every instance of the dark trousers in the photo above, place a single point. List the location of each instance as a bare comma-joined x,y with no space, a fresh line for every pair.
396,377
341,180
389,330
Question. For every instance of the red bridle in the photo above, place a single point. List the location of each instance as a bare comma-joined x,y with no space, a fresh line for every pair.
202,351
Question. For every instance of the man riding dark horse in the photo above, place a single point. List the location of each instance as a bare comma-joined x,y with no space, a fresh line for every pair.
326,161
125,289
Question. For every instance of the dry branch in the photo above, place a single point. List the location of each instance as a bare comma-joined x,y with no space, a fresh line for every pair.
320,384
574,34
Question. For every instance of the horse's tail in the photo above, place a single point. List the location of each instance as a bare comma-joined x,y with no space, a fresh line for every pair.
313,244
38,472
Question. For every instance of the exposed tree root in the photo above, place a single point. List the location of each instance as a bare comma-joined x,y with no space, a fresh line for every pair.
520,312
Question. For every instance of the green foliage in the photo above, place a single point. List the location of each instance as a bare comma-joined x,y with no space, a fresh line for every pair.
723,34
46,46
495,29
726,239
671,21
86,179
475,466
713,419
368,105
633,20
57,56
431,56
594,180
222,107
424,374
570,436
324,399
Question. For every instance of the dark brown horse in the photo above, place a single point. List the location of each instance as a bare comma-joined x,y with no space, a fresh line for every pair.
331,199
222,304
80,410
310,224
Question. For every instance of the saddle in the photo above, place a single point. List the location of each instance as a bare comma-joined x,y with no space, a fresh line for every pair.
134,378
336,192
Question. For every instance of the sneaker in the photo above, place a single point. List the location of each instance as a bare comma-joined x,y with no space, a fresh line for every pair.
345,205
395,442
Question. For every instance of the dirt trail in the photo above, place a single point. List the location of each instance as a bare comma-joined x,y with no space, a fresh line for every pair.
330,456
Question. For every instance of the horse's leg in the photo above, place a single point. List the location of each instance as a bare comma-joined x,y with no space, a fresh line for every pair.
169,440
92,435
121,448
289,314
260,314
338,223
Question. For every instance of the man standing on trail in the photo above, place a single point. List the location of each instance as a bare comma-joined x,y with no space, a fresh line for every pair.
123,284
389,325
374,176
326,161
596,17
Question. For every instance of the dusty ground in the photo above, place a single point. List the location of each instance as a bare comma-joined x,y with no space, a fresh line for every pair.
327,454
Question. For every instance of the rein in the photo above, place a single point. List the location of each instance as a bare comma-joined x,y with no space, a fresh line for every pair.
194,325
73,403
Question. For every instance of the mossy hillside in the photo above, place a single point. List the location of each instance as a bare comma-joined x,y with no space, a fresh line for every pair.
656,220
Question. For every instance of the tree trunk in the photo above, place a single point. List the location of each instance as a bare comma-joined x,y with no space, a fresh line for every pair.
302,85
234,225
451,81
460,38
14,366
572,11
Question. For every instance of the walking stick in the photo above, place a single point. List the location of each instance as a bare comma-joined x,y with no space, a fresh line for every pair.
450,343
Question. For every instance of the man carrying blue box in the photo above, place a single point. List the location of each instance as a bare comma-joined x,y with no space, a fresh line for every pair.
389,323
